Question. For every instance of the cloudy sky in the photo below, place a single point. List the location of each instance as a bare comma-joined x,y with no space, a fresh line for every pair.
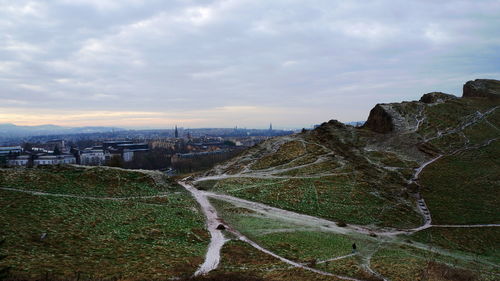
221,63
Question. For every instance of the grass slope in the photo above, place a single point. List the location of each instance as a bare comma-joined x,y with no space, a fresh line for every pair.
101,239
96,181
464,188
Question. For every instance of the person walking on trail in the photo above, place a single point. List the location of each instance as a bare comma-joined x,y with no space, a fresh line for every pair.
354,248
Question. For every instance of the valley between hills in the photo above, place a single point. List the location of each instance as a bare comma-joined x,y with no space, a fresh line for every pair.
416,189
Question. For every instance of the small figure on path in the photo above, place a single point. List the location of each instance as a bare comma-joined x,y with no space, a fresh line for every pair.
353,248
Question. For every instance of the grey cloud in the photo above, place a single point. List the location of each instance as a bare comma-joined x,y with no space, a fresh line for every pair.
337,58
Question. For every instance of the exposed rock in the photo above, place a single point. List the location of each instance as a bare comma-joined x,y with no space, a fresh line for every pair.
482,88
221,227
436,97
380,119
341,224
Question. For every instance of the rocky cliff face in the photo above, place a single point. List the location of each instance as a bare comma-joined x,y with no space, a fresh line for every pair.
381,119
406,116
482,88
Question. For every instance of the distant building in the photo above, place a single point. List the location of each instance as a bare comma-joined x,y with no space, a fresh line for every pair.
54,160
10,150
106,145
19,161
124,149
92,157
59,143
127,155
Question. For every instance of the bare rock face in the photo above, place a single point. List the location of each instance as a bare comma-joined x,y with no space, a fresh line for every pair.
380,119
482,88
436,97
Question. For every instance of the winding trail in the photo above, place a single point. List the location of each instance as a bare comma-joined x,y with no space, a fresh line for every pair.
285,260
40,193
421,205
217,239
336,258
296,218
212,257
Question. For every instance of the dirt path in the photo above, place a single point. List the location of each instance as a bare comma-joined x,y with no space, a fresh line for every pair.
290,262
421,205
40,193
217,239
465,225
336,258
212,258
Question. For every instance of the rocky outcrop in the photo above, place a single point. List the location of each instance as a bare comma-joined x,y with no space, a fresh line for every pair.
380,119
482,88
436,97
333,123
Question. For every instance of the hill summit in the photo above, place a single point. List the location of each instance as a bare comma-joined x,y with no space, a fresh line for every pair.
373,174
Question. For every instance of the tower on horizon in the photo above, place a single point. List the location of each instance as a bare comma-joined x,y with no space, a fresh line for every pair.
176,133
270,126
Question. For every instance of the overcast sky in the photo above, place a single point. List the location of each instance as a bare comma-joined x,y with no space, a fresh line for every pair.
223,63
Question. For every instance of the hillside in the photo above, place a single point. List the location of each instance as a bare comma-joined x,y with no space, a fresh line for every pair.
76,223
426,170
411,195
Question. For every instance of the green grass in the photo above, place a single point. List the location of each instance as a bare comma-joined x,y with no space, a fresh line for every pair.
134,239
451,114
398,264
449,143
478,241
335,198
95,181
346,267
286,153
303,245
391,159
101,239
241,261
464,188
306,245
287,239
311,170
404,262
482,132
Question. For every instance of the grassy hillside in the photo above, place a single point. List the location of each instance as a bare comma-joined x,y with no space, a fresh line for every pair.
358,176
442,149
464,188
416,189
135,239
97,181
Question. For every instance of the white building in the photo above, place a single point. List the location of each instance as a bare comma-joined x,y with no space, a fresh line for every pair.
19,161
128,155
54,160
92,157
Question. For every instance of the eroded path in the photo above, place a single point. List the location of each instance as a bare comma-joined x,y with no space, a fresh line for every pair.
212,257
217,239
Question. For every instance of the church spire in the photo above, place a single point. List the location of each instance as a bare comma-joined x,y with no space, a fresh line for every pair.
176,133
